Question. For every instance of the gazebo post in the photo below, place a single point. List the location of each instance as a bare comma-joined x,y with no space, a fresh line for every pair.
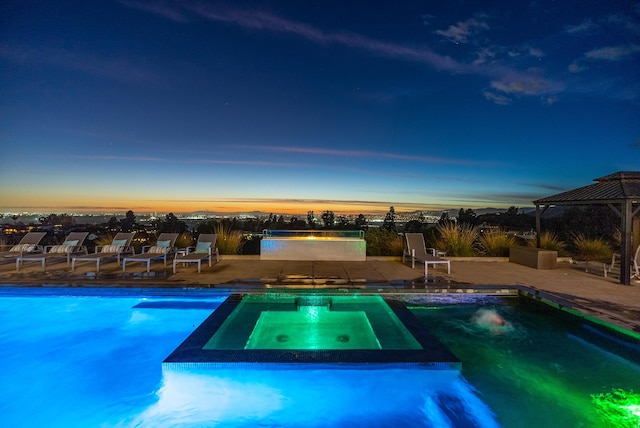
625,251
537,226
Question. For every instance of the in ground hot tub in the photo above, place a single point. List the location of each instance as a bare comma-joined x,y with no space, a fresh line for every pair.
332,245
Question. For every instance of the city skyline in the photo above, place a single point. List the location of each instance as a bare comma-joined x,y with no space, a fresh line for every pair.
167,106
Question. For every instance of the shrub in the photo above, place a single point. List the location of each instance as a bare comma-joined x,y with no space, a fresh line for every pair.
184,240
457,239
496,243
382,242
228,241
549,241
588,249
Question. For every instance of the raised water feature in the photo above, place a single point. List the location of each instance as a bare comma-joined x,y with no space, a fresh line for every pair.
332,245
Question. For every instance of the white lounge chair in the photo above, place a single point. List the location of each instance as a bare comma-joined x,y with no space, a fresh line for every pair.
165,246
120,245
204,250
73,244
416,250
30,243
615,260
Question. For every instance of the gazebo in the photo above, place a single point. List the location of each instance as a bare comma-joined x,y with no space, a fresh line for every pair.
621,192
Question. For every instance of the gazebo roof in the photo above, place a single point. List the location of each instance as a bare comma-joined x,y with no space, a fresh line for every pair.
612,188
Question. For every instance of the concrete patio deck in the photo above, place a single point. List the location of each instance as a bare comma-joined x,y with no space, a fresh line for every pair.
569,286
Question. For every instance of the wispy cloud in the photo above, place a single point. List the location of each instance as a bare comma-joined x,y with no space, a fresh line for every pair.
264,21
496,98
584,26
530,86
119,69
161,8
462,31
613,53
368,154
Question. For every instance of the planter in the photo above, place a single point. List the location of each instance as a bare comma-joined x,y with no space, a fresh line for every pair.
536,258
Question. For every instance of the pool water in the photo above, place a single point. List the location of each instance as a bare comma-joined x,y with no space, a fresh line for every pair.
91,361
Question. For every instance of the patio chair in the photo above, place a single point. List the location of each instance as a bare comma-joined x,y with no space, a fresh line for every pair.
30,243
73,244
163,248
205,248
120,245
615,259
416,250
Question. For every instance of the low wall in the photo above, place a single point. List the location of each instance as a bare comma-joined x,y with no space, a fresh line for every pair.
536,258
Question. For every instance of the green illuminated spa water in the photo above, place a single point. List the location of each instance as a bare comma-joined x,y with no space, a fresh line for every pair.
312,323
313,327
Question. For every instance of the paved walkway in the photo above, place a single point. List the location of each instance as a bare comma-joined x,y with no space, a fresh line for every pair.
588,293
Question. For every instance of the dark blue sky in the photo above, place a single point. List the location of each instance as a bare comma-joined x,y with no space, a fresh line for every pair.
313,105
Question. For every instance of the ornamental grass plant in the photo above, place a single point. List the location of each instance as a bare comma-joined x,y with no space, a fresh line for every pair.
496,243
382,242
458,240
591,249
228,241
549,241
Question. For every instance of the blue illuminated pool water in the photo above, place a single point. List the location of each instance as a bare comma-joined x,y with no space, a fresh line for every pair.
93,361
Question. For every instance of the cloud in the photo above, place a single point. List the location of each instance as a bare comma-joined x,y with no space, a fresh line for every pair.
160,8
584,26
496,98
119,69
612,53
576,67
366,154
530,85
463,31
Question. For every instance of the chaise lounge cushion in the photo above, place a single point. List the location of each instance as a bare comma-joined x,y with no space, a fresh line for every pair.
22,248
158,249
202,247
112,248
119,242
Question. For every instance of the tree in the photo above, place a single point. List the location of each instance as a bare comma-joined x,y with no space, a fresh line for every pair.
343,222
112,224
445,219
467,217
171,224
390,220
328,219
361,222
128,222
311,220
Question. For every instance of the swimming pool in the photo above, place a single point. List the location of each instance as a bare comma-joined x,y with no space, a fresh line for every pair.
80,357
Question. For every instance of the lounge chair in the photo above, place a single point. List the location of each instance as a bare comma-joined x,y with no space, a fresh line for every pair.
615,259
120,245
204,249
30,243
163,248
73,244
416,250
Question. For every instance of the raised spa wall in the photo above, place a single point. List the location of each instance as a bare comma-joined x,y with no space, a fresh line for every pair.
313,245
